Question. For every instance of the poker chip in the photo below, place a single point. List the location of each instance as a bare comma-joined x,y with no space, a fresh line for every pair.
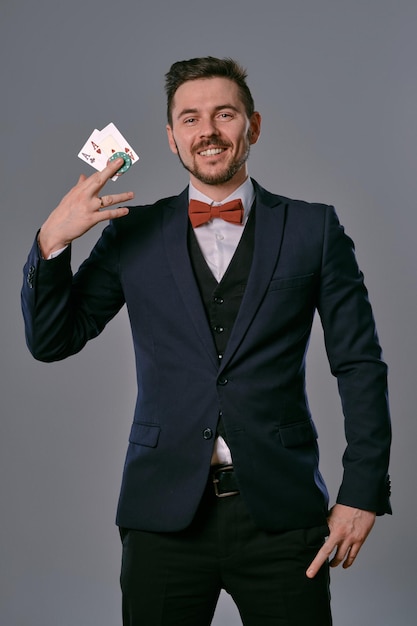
127,161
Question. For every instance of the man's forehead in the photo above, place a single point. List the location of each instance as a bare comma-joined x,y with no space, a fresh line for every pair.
216,91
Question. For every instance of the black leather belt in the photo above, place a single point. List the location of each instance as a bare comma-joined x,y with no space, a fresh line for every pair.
224,481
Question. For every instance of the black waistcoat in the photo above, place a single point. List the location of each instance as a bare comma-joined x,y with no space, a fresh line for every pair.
222,299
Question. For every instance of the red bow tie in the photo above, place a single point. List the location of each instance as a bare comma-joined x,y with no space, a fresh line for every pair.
200,212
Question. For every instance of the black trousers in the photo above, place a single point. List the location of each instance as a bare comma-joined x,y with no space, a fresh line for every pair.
174,579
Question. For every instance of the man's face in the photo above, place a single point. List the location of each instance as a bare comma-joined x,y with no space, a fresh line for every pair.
211,132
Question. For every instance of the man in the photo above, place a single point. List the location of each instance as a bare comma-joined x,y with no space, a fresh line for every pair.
221,487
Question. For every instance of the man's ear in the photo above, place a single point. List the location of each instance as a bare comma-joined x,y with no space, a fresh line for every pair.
255,127
171,139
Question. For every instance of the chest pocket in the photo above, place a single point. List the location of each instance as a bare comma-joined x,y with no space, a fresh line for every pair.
293,282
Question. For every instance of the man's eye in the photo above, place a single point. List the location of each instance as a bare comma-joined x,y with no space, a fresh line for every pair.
190,120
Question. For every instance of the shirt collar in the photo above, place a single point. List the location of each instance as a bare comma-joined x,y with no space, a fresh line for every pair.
245,192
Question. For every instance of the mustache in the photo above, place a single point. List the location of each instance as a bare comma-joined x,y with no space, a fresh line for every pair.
212,142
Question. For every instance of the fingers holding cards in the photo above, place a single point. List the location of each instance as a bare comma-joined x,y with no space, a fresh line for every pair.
110,170
90,189
105,144
97,181
82,208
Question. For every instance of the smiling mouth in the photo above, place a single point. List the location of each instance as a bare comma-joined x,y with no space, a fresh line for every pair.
211,152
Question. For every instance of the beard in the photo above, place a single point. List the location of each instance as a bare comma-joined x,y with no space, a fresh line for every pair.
221,177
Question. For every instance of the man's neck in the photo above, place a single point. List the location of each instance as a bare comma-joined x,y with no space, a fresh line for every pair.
218,192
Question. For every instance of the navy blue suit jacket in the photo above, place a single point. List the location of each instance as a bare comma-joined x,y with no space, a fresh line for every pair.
302,262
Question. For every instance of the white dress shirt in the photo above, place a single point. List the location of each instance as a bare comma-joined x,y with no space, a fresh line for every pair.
218,241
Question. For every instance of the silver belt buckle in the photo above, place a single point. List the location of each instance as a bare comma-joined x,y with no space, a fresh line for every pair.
225,494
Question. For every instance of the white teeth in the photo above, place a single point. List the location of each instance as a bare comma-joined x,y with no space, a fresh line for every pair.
211,152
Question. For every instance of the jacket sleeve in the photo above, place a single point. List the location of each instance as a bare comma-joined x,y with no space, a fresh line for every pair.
62,312
355,359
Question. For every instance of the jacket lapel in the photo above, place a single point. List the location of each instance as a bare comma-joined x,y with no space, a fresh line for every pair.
269,228
175,228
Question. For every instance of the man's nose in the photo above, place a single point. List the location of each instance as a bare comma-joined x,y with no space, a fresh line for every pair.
208,128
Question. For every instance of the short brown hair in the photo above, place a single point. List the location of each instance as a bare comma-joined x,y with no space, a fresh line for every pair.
207,67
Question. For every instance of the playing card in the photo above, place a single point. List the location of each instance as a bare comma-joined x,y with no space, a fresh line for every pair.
91,152
111,140
102,144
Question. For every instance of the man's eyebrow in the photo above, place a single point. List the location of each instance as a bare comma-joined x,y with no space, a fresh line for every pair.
186,112
227,106
219,107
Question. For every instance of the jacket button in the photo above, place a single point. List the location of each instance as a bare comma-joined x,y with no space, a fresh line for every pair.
218,299
219,329
223,381
207,433
30,276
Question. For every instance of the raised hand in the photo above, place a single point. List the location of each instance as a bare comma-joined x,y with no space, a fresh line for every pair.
81,209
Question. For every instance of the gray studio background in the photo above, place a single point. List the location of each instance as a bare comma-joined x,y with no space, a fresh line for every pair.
336,84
